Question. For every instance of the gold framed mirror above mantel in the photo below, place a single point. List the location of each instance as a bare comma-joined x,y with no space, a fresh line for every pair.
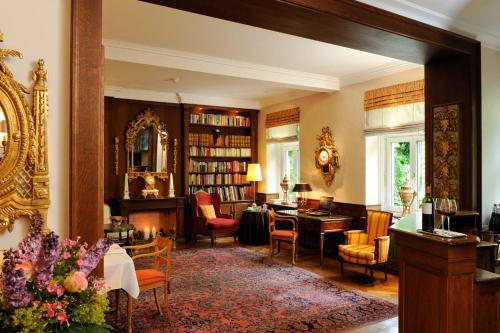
24,177
146,143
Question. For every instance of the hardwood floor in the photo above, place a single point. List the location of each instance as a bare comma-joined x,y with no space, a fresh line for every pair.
353,276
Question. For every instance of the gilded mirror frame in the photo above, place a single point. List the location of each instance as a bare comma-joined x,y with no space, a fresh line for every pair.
24,174
146,119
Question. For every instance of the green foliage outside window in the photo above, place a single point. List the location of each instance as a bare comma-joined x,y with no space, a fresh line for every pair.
401,160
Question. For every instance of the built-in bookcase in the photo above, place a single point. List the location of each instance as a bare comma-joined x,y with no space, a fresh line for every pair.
218,145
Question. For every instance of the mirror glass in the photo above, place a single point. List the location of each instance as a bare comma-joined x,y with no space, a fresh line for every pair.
149,152
4,134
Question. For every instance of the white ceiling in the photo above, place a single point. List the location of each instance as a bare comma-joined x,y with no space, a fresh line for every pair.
146,44
478,19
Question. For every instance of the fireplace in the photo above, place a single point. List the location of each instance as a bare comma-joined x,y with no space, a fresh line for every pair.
161,213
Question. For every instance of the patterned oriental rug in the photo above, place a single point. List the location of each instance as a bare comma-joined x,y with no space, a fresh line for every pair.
232,290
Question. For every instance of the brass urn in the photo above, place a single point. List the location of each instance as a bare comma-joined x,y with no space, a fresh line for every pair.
407,195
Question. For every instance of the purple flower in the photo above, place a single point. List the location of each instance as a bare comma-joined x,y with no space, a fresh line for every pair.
47,258
14,281
29,247
94,255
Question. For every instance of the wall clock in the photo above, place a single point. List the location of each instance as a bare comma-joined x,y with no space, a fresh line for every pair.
326,155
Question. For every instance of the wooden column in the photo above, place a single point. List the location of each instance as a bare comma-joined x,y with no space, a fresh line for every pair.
436,280
87,115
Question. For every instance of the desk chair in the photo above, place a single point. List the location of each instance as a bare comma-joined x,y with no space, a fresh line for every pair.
283,235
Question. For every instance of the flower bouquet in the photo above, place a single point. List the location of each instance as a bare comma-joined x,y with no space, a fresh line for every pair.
45,285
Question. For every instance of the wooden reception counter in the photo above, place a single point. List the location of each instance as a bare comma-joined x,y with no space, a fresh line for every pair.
437,281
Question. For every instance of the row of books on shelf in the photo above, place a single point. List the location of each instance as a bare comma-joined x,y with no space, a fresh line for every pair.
219,119
206,139
233,166
227,193
217,179
220,152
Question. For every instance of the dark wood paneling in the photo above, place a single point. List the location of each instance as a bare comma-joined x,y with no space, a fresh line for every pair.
87,155
448,81
118,114
346,23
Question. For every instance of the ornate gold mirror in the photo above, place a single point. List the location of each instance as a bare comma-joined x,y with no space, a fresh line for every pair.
147,146
24,177
4,134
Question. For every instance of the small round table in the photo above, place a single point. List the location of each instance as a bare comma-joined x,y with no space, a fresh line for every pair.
119,228
254,228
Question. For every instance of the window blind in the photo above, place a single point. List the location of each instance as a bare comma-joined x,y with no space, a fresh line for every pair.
399,94
285,117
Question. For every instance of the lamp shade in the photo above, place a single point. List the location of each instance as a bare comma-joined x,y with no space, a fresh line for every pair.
302,187
253,172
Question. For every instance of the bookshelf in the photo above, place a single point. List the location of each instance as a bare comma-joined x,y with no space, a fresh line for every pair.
219,144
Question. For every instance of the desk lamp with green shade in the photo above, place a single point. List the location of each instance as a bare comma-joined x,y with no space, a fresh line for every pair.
302,188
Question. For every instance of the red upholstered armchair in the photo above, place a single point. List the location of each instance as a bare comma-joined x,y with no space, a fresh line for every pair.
207,218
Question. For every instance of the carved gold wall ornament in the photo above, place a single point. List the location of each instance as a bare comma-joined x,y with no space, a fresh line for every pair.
175,156
446,153
117,153
146,142
24,176
326,156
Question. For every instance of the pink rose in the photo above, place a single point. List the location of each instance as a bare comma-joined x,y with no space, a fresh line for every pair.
76,282
80,262
58,306
50,310
72,242
60,291
26,267
66,255
52,287
36,304
61,317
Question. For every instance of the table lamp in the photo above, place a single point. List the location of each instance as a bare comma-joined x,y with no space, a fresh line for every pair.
302,188
254,175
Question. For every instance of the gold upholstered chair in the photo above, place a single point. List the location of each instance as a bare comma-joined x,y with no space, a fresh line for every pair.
368,248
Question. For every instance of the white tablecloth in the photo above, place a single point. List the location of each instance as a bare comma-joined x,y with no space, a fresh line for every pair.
119,271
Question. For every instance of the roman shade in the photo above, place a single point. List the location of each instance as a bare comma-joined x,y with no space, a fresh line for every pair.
285,117
399,94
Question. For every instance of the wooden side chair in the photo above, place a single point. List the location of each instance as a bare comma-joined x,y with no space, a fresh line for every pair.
154,277
370,248
283,235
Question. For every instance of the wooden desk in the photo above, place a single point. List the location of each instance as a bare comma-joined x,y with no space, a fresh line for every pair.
321,225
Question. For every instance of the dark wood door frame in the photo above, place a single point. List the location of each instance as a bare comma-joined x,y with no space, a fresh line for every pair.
342,22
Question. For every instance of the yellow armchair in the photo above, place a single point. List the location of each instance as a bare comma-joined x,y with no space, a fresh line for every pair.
368,248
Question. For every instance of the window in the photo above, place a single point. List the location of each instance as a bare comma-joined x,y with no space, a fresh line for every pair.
290,164
405,160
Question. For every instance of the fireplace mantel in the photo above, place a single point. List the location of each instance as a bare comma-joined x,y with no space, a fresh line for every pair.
158,204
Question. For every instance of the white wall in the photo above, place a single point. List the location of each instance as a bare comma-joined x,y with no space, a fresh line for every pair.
373,162
343,111
41,29
490,74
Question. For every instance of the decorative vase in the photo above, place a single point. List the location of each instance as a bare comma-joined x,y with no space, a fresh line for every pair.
285,185
407,195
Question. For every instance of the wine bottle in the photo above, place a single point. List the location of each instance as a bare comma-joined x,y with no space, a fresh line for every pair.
427,210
